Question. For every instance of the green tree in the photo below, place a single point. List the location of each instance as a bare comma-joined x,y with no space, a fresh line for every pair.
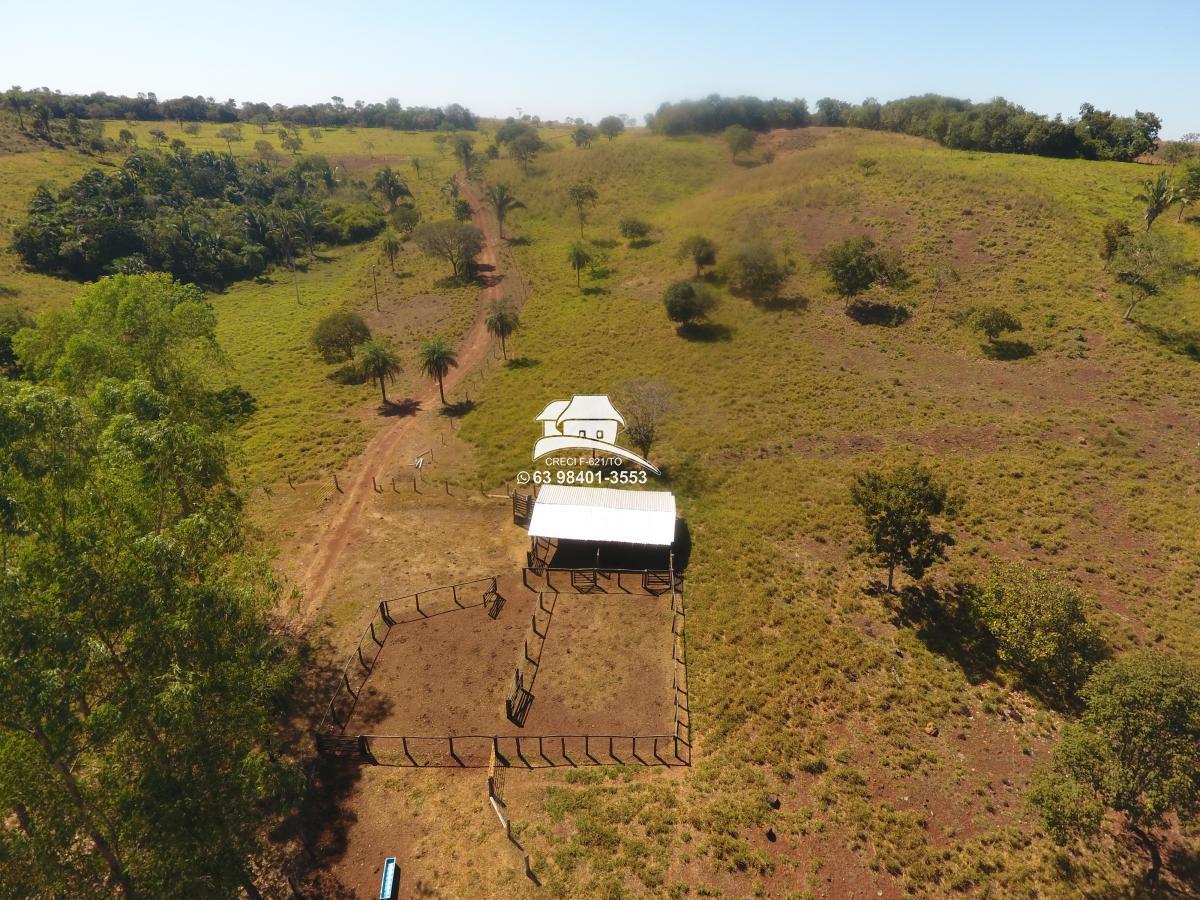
755,271
1041,629
579,259
899,508
584,135
337,334
502,200
738,139
141,672
463,146
501,322
462,211
992,321
686,302
1135,751
1158,194
525,148
436,358
230,135
456,242
391,186
611,126
1187,192
378,362
634,230
583,196
700,250
855,264
1146,264
147,327
12,320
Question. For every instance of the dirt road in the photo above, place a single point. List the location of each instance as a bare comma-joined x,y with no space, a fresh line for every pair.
381,453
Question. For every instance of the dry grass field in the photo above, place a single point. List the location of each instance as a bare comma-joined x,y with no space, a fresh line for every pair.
808,684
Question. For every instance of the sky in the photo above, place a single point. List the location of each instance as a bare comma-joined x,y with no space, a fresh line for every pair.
569,59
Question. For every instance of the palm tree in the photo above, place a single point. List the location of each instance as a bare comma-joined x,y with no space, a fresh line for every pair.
1157,194
377,361
391,186
579,258
308,217
436,359
450,190
501,322
391,246
501,198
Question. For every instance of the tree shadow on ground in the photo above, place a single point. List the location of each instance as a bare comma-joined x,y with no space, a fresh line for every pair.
459,409
1006,350
521,241
319,823
705,332
604,243
402,408
796,303
595,291
347,374
947,624
873,312
522,362
1186,343
642,243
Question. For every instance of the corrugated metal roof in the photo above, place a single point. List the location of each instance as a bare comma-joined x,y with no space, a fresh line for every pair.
604,514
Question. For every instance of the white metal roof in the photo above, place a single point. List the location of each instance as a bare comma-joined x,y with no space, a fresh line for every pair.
604,514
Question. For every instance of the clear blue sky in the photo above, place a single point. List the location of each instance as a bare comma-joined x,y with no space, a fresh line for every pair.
589,59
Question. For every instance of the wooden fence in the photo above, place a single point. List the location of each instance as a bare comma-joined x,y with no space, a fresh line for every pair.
474,751
649,582
517,703
388,613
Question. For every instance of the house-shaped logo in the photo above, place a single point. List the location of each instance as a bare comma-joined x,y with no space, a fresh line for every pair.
585,422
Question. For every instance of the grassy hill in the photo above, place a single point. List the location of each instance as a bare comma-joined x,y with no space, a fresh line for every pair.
1079,457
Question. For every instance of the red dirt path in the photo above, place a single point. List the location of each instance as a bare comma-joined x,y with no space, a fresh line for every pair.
348,520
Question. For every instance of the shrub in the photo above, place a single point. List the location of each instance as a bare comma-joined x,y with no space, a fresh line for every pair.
992,321
855,264
634,229
1041,629
349,224
755,271
336,335
687,302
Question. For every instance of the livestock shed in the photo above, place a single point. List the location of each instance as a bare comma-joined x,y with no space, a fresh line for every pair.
581,528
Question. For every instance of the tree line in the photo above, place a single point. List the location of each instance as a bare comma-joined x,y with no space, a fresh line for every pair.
997,125
147,107
204,217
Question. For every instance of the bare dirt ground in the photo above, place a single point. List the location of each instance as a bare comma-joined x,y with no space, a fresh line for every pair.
605,668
